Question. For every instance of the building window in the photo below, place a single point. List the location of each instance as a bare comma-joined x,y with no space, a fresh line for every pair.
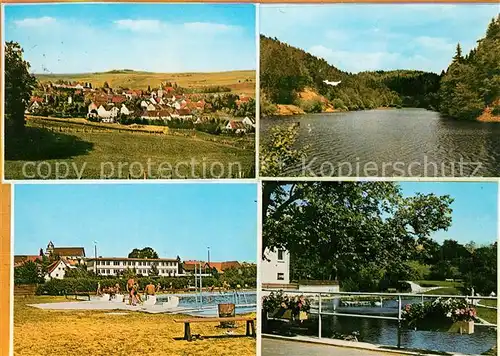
116,263
280,255
281,276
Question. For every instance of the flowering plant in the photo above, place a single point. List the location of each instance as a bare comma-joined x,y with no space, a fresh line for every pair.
438,310
277,300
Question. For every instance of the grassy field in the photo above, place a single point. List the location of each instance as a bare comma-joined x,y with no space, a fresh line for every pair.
50,332
63,150
444,291
240,82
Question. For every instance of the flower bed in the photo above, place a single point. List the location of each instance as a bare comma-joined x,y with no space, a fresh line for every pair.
439,315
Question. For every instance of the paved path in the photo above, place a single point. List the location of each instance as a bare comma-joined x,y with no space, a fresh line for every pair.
417,289
272,347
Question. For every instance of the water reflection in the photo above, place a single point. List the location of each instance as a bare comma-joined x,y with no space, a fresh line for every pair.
407,142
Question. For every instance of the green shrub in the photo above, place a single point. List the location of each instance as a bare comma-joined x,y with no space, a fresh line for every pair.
496,110
89,285
310,106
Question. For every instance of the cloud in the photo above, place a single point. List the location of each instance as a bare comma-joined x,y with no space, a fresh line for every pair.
210,27
358,61
434,43
35,22
139,25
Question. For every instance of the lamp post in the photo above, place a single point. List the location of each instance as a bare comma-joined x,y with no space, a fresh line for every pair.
95,255
208,250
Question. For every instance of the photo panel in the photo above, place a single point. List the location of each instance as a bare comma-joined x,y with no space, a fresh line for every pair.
385,266
133,268
129,91
379,90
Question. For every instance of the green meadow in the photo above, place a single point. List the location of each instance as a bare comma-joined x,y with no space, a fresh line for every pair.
68,150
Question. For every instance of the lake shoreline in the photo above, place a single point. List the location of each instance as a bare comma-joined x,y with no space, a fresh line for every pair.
293,110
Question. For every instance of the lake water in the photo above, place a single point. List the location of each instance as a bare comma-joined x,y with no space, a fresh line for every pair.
400,143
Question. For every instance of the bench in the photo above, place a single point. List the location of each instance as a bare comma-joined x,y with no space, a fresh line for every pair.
77,294
250,328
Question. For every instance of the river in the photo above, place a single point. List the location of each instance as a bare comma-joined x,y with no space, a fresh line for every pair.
397,143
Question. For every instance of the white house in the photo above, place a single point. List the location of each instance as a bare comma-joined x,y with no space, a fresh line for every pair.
57,270
112,266
248,121
124,110
34,106
144,104
275,269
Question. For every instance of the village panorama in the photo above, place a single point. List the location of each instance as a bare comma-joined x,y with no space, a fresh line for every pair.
200,124
186,112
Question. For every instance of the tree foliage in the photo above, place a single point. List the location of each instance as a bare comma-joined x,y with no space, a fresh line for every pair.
19,84
345,225
279,151
472,83
146,252
28,273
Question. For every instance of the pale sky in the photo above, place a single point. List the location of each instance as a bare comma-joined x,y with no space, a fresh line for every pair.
360,37
81,38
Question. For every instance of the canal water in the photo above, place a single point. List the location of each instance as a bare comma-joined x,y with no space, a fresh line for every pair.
398,142
385,332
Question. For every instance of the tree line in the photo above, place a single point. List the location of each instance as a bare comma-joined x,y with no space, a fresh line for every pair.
468,86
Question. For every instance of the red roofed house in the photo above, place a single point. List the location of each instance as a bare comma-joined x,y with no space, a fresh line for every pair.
118,99
19,260
57,269
236,126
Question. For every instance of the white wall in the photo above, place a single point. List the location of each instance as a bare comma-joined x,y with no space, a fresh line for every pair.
58,272
269,269
320,288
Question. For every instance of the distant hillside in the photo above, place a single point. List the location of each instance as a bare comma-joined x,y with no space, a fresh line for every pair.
286,72
468,90
241,82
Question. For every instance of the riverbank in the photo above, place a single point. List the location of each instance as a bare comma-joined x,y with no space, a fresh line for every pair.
41,332
487,116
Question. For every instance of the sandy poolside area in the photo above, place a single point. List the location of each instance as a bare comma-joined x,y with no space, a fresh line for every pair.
123,332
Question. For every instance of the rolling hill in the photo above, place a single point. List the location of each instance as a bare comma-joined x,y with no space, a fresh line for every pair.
240,82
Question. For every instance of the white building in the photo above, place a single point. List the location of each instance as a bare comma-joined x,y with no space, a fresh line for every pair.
57,270
276,269
124,110
112,266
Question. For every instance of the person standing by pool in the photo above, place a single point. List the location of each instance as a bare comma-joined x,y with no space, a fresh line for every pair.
130,289
150,289
158,288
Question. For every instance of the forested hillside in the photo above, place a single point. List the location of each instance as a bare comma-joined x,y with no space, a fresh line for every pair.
472,82
469,85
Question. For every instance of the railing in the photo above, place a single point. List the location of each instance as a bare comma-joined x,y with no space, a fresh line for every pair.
399,319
